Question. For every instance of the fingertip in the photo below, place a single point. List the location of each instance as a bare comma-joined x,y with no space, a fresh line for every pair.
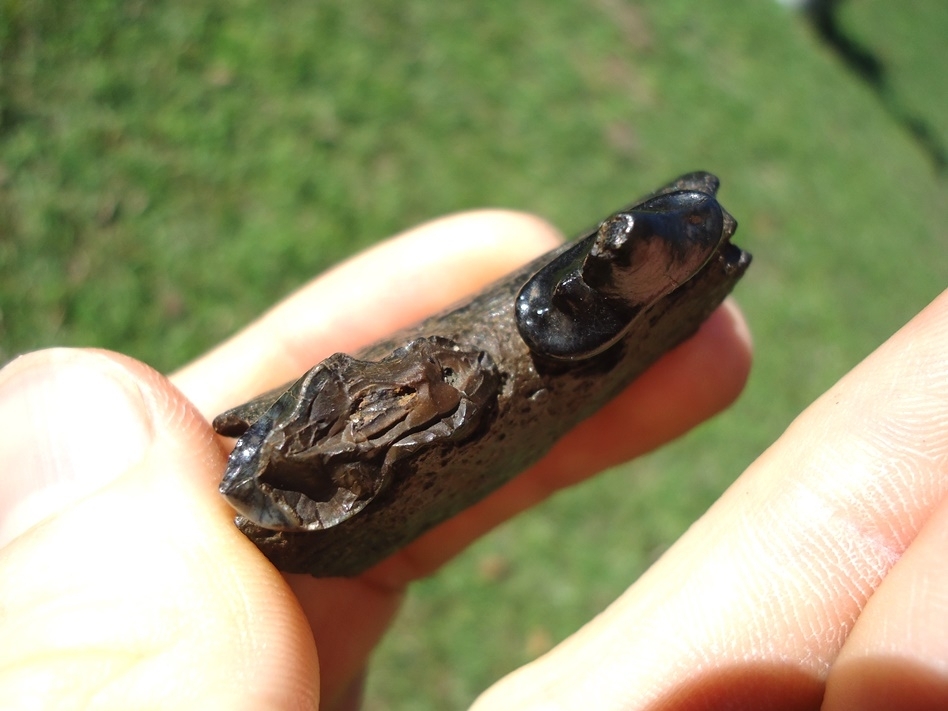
729,319
494,236
416,273
389,286
722,351
76,420
707,372
400,281
73,422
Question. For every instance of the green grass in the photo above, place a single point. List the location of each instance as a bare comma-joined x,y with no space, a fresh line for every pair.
169,169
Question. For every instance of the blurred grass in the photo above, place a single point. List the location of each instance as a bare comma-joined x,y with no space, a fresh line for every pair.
169,169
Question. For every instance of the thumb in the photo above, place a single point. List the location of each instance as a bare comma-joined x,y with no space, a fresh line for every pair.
61,412
123,583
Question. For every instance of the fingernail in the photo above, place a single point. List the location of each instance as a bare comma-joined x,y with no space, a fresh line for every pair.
71,422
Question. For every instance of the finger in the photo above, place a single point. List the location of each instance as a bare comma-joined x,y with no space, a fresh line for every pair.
392,285
751,607
42,478
897,654
123,582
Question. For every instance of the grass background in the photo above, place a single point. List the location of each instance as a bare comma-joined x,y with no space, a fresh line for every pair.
168,169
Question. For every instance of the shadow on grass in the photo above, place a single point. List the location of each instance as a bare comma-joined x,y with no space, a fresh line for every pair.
866,64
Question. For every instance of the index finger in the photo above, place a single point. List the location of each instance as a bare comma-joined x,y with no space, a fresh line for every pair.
391,285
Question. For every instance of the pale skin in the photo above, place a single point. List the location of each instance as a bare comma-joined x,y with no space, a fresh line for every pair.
819,577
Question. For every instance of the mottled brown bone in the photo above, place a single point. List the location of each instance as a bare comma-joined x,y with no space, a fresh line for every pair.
514,405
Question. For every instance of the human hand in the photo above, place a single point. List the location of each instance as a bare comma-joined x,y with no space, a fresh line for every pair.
123,581
817,581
